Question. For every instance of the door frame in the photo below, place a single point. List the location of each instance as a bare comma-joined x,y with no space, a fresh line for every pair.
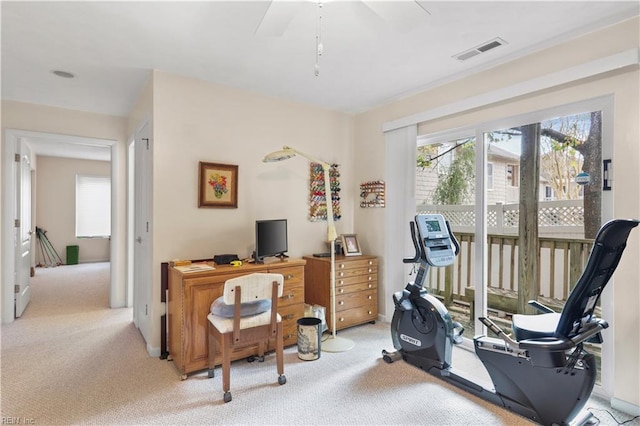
7,261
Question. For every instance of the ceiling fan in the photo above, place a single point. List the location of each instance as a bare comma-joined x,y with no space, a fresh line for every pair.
401,15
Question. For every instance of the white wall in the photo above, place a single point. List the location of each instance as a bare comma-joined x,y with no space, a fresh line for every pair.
196,121
622,84
56,205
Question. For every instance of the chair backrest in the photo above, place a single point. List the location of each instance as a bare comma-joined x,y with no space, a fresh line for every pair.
603,260
253,287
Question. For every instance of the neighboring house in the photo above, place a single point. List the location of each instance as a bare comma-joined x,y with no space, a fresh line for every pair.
503,178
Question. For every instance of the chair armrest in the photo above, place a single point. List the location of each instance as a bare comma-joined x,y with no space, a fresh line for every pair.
562,344
551,344
594,327
539,306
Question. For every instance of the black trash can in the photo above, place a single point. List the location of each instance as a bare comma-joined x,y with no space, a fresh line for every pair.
309,335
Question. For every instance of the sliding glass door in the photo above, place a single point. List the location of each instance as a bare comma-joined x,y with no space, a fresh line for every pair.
543,202
525,204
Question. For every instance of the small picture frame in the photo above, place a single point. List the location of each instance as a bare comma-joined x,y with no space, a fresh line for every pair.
217,185
350,245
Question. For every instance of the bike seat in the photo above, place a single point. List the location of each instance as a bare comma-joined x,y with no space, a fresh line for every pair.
578,311
535,326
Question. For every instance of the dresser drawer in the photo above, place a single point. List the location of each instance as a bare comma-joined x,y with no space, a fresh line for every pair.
358,279
355,299
292,275
356,264
290,316
293,293
369,285
356,316
359,272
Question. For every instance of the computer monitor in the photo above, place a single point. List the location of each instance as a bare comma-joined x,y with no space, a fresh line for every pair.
271,239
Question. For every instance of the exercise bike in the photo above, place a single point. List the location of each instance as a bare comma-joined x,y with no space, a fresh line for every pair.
543,372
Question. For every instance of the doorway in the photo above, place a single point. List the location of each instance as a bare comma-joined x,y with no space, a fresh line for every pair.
42,143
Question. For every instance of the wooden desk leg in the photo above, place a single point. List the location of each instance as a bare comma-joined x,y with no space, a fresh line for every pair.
212,352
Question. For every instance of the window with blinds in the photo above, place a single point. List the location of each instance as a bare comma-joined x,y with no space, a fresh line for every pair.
93,206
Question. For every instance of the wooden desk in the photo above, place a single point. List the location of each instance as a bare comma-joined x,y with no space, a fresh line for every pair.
190,297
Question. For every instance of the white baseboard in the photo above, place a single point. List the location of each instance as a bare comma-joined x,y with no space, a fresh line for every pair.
625,407
382,318
153,351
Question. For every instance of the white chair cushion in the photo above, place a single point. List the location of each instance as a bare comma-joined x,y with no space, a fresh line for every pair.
225,325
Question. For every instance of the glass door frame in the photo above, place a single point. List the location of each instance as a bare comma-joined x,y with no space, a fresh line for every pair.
480,261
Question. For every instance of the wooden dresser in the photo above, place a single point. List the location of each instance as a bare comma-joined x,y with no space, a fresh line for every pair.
356,288
189,300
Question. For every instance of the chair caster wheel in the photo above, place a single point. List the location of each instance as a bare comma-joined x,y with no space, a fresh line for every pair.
211,373
251,358
227,397
282,379
260,358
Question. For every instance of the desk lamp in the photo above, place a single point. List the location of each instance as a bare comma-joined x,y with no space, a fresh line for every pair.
333,343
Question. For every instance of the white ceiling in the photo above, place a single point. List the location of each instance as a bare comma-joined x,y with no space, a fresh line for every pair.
374,52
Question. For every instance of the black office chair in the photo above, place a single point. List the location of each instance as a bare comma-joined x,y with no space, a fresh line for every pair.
577,317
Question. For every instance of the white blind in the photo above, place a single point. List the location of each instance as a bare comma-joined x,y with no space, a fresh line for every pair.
93,206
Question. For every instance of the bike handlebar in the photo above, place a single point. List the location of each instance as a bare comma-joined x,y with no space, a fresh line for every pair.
415,258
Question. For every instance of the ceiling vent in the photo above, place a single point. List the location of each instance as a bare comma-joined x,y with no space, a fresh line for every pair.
484,47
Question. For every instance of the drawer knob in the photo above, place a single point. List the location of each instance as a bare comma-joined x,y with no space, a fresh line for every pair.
371,262
342,266
370,312
370,297
341,303
341,319
287,317
287,336
342,274
288,276
289,296
370,278
370,270
341,290
341,282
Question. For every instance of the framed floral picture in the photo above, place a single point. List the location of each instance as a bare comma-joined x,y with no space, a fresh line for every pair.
217,185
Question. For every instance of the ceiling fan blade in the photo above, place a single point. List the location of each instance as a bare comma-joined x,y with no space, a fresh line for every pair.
402,15
277,17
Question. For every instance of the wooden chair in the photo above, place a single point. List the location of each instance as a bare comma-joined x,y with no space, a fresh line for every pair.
240,329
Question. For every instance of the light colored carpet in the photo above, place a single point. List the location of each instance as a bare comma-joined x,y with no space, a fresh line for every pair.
72,360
